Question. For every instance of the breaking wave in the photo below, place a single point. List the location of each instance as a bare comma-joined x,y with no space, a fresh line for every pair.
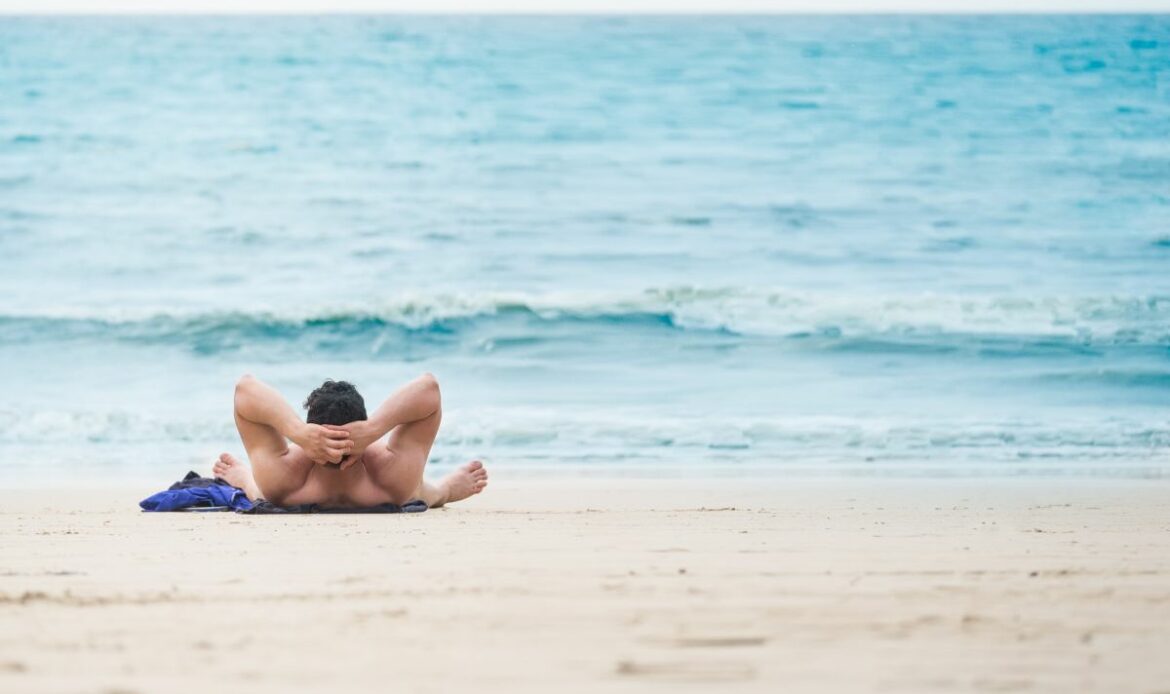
871,322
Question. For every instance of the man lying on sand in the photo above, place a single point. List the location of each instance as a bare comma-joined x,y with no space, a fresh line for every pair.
332,459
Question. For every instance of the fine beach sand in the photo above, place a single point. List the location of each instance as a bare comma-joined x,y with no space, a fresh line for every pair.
585,585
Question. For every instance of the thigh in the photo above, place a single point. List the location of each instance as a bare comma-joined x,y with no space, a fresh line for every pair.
399,471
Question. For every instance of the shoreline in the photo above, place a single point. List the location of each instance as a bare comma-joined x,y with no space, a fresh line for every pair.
747,585
145,481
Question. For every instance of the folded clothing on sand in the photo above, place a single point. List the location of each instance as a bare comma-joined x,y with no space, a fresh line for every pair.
196,492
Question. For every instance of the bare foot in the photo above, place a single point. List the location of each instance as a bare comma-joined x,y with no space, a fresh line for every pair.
229,469
468,479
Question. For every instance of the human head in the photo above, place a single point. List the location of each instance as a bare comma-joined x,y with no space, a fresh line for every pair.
336,403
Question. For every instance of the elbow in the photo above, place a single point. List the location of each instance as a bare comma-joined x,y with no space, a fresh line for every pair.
430,388
243,385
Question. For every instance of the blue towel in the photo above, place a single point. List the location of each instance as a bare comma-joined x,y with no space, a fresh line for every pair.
194,491
190,493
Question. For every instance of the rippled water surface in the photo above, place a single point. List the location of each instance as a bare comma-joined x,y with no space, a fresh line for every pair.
654,245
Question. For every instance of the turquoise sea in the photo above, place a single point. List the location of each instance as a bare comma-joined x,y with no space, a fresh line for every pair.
663,246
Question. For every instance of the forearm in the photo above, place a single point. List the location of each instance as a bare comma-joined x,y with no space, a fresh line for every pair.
259,402
416,400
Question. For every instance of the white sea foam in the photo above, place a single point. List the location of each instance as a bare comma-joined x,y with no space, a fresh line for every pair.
533,433
761,312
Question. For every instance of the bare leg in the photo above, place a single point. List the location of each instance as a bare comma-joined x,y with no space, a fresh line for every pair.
469,479
237,474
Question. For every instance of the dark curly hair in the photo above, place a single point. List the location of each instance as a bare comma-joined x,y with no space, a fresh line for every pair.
335,402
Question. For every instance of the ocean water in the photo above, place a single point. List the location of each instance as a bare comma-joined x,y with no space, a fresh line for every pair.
654,246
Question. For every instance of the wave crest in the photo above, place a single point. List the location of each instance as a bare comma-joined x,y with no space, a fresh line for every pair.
763,313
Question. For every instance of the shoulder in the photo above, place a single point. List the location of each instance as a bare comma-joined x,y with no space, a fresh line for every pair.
377,455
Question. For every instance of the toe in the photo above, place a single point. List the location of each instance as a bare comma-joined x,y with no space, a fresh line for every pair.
474,465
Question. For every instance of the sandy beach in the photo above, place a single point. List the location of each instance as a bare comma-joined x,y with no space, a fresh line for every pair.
752,585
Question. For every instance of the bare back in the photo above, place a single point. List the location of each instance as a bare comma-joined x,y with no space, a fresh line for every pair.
355,486
381,457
